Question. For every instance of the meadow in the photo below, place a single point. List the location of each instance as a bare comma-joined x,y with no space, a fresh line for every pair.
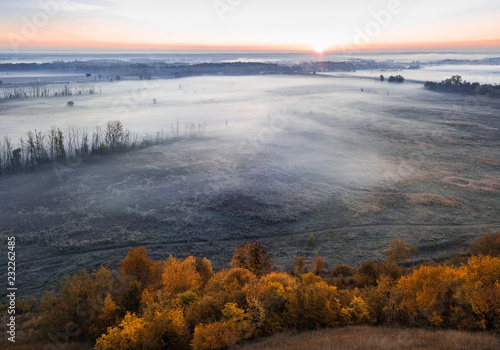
352,162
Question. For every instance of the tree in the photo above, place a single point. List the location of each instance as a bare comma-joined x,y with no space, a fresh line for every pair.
75,310
126,336
357,312
314,306
204,269
488,245
427,297
16,159
270,294
237,278
300,266
318,265
236,320
456,79
397,251
396,79
253,257
114,134
180,275
60,152
131,297
480,293
212,336
343,271
136,266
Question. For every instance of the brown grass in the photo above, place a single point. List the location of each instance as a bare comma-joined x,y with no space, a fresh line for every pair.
375,338
486,186
488,161
433,199
375,203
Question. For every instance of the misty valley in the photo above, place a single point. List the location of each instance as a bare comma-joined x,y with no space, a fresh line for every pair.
214,161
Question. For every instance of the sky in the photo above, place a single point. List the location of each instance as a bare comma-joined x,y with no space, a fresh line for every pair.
253,25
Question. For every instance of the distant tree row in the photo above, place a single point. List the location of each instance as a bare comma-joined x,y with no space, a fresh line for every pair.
177,70
37,90
37,149
184,304
396,79
456,85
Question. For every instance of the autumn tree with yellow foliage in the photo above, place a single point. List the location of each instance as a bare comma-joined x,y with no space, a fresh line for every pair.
183,304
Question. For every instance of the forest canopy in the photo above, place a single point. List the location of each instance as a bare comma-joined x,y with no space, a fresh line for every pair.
181,303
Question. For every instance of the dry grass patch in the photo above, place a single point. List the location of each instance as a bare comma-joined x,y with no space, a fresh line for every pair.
434,199
375,203
486,186
376,338
488,161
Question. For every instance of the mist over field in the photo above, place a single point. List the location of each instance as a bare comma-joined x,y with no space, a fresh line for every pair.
355,162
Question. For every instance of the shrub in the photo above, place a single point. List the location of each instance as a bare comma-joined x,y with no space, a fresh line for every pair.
318,265
300,266
398,251
487,245
342,271
311,240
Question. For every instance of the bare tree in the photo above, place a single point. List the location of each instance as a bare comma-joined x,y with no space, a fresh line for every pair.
60,152
114,134
51,142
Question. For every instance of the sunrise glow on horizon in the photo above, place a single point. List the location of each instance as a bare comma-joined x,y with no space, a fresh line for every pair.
257,25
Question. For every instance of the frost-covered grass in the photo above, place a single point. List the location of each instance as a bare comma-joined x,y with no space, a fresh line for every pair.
281,158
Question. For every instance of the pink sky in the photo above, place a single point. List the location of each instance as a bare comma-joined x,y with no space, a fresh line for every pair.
250,25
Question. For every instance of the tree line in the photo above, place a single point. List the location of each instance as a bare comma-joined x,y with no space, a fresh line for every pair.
38,90
37,149
456,85
184,304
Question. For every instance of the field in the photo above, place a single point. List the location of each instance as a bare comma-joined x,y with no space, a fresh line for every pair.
375,338
354,162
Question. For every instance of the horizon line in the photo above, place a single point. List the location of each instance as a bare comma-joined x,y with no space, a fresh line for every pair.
481,45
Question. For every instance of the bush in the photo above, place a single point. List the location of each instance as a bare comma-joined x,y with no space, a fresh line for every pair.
311,240
318,265
342,271
488,245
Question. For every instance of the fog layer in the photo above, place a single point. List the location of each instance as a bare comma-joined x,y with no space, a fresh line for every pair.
354,162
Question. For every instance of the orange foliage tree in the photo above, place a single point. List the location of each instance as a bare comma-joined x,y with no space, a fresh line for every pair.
253,257
181,275
74,312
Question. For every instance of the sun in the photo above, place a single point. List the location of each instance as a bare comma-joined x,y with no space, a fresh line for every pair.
320,49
